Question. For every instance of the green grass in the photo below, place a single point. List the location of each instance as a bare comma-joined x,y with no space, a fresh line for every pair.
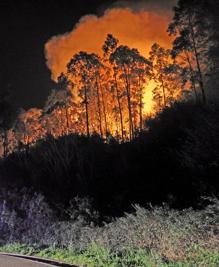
159,237
98,256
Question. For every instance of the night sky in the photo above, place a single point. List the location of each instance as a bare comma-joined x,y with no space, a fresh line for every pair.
25,28
26,25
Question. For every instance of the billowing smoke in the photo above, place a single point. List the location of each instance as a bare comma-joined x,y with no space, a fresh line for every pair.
137,24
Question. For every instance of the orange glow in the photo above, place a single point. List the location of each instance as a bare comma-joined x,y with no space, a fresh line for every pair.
135,29
112,101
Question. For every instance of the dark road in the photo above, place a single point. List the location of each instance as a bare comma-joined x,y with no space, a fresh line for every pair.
16,261
8,261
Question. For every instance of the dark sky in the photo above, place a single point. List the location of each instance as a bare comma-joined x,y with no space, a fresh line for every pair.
25,27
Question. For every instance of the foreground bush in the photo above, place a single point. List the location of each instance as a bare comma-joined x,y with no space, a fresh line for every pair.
168,233
24,216
155,235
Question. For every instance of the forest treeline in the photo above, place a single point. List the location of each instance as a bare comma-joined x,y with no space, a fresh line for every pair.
92,138
104,94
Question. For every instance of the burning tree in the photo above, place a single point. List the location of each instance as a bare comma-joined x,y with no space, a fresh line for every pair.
130,64
191,41
105,95
167,75
84,69
28,128
109,48
61,100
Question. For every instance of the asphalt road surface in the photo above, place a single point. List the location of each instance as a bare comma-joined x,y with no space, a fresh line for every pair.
9,261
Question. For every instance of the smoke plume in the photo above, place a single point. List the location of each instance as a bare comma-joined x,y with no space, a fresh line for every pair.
137,24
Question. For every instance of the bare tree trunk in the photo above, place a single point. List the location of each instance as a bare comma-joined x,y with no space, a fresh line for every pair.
119,105
5,144
99,107
26,142
67,119
140,103
164,92
192,76
129,104
160,102
201,84
86,110
104,110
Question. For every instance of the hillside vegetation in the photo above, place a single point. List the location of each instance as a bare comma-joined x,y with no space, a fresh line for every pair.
68,191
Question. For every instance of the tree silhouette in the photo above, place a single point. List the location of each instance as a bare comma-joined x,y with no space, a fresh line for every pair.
183,52
125,58
85,70
61,98
109,47
168,75
28,128
142,71
160,58
186,27
7,117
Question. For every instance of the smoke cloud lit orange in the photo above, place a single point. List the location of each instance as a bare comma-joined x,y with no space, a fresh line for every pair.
137,29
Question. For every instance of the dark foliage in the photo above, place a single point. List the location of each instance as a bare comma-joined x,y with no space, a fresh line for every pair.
175,161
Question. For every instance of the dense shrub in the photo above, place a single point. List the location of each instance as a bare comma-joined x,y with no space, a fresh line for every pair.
24,216
166,234
171,234
177,155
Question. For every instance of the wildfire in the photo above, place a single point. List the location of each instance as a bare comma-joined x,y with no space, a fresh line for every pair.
111,72
136,29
